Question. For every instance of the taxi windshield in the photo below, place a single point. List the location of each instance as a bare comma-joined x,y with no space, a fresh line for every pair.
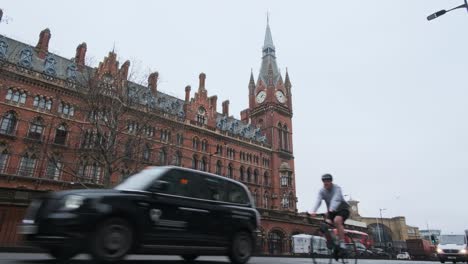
141,180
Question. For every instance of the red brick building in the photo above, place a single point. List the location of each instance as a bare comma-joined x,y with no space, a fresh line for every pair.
44,138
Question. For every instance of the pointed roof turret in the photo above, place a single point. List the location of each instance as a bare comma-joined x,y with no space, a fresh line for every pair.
269,72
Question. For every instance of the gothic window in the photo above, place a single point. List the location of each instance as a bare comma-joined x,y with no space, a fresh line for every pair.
162,157
204,145
54,169
285,201
36,129
49,65
8,123
266,179
256,176
177,159
66,109
219,150
27,165
3,160
255,198
26,58
146,153
195,143
61,135
249,175
204,164
284,179
219,167
180,139
242,172
201,116
16,96
286,138
195,162
42,102
280,135
90,172
230,171
265,200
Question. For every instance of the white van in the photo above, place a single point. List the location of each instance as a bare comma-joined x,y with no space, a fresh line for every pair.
452,248
308,244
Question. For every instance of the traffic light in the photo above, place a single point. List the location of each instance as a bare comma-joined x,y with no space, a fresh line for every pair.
433,240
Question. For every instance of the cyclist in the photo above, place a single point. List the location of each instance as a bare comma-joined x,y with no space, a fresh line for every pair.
338,208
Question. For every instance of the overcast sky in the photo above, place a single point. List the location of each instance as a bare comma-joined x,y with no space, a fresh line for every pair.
380,94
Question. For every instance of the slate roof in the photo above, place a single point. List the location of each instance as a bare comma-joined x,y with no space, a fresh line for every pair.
56,66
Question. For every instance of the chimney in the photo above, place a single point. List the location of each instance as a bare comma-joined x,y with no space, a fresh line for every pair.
81,54
226,108
43,43
187,93
202,78
153,82
213,102
245,115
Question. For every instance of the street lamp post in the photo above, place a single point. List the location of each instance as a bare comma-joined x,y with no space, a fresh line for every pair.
443,11
382,228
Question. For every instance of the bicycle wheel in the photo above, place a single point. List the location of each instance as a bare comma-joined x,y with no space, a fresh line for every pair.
320,249
350,256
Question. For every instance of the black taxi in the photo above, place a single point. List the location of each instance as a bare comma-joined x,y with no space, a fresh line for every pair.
160,210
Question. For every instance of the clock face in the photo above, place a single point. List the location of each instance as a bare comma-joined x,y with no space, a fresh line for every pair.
261,96
280,96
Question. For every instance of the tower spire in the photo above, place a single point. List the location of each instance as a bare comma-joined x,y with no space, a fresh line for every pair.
269,72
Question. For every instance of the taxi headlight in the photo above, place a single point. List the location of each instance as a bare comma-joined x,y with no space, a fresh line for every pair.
72,202
439,250
463,251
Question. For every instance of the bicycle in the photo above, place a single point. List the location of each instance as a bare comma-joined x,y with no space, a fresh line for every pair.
325,249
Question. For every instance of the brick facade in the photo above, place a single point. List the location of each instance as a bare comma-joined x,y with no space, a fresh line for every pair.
43,127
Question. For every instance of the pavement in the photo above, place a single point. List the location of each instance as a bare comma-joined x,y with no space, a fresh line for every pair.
25,258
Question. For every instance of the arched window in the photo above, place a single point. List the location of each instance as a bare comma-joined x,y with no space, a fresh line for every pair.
291,200
230,171
204,145
90,172
3,160
255,198
286,137
162,157
219,167
61,135
54,169
180,139
266,179
195,162
204,164
280,135
177,159
275,242
242,172
8,123
285,201
249,175
201,116
36,129
27,165
146,153
265,200
195,143
256,176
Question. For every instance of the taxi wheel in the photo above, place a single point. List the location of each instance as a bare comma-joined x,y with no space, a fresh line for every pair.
241,248
189,258
112,240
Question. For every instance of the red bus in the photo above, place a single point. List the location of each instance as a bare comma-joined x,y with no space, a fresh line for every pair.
357,236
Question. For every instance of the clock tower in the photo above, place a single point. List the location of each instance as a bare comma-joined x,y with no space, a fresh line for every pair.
270,110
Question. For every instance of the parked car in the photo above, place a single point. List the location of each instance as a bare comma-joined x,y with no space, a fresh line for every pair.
403,255
161,210
419,248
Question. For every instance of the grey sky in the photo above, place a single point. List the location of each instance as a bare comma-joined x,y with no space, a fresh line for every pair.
379,93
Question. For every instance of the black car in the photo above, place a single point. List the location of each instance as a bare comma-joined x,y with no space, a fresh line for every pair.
161,210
